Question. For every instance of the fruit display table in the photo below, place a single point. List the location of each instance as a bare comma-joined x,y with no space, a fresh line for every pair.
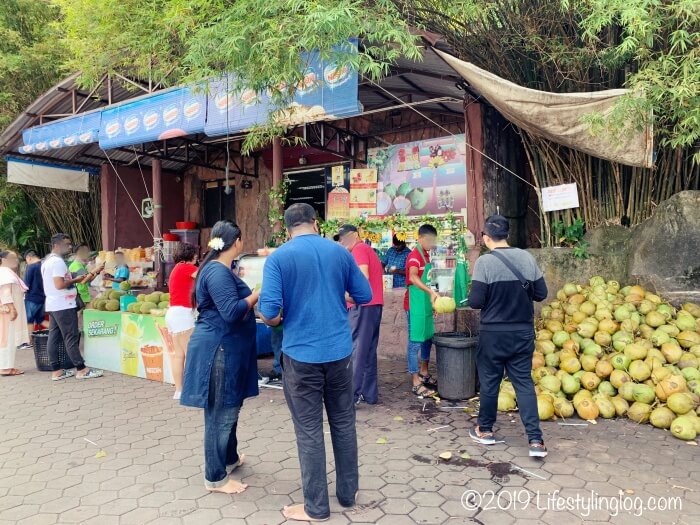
128,343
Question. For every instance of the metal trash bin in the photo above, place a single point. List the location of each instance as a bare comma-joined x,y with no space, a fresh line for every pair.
456,365
40,340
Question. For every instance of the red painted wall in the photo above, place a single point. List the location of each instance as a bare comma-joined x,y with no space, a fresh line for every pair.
122,226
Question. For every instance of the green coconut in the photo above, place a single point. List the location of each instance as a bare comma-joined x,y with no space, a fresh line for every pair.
586,329
685,321
596,280
619,378
655,319
621,339
659,337
552,359
688,339
606,387
550,383
669,386
683,428
602,338
688,360
545,347
626,391
620,362
570,365
506,402
570,289
560,337
588,362
563,407
605,407
681,402
672,352
593,349
603,368
662,417
693,309
668,311
621,405
639,412
636,351
639,370
671,329
691,374
587,308
590,381
622,313
643,394
507,387
570,385
645,307
587,409
545,407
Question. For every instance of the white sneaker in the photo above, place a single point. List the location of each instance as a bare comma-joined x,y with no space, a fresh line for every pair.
177,395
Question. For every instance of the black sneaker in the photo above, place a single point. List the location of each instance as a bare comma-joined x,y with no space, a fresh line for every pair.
537,449
483,438
274,376
25,346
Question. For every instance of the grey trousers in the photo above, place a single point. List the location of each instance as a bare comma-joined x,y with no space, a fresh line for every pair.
364,323
307,388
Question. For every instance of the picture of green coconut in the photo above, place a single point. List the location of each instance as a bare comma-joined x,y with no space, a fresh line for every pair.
418,197
404,189
390,190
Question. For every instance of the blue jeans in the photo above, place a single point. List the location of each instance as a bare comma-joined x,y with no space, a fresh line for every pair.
35,312
415,348
220,422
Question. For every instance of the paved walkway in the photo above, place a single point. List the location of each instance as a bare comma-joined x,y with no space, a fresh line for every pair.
51,435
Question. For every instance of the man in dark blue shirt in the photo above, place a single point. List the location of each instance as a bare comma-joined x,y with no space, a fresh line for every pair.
306,279
34,298
395,261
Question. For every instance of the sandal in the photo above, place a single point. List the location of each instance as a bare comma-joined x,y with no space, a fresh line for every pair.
428,381
64,375
91,373
13,372
423,391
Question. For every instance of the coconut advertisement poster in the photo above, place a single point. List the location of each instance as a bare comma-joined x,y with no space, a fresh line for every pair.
424,177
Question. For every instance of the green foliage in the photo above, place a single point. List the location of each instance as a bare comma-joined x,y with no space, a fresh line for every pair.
261,41
572,237
19,225
277,197
660,43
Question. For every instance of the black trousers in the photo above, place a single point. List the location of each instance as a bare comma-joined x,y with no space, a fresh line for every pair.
64,325
512,352
364,323
307,388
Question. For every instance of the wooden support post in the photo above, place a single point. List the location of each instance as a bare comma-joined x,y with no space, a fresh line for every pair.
108,197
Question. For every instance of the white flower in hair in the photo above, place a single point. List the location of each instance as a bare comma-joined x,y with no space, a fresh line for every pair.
216,243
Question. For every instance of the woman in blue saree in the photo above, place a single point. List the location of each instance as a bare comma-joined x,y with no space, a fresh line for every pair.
221,369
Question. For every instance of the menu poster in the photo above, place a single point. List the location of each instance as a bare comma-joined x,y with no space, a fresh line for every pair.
338,204
418,178
338,175
363,192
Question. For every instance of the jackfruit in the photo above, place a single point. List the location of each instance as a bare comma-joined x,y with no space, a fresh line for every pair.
147,306
141,297
112,306
163,305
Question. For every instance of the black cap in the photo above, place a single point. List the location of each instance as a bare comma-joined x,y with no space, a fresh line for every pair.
497,227
344,230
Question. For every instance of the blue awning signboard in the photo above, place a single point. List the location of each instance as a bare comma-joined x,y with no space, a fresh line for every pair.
326,92
162,116
72,131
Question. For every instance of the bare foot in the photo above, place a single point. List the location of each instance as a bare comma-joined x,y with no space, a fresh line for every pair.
241,460
232,487
297,513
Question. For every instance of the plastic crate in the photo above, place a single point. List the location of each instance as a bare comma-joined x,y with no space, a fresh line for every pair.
40,340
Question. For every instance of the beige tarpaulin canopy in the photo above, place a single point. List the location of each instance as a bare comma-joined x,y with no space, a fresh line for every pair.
559,116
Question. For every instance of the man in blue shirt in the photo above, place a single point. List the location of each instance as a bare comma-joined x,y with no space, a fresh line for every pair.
121,272
395,261
307,279
34,298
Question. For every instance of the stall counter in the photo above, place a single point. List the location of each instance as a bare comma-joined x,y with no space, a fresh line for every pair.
132,344
137,345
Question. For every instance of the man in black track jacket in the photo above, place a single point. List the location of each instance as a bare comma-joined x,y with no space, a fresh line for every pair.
505,283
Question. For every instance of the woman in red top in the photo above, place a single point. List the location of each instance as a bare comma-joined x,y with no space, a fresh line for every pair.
180,316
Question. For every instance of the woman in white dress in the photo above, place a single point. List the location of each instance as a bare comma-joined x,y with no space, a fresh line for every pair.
13,325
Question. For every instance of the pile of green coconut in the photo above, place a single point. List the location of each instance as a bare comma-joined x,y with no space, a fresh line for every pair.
606,351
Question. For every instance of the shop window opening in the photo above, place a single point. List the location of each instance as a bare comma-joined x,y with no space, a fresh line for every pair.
219,204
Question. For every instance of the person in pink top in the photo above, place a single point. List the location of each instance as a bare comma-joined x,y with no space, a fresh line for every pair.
365,319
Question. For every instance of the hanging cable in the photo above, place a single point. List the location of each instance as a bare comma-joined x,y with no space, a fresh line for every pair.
452,134
227,189
138,210
143,177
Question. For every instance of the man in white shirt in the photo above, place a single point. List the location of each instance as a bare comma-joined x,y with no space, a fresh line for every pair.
60,291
